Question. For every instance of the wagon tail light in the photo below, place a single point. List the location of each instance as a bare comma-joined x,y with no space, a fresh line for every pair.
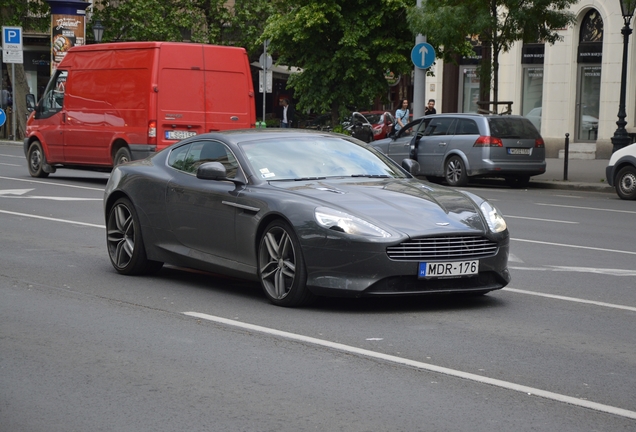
539,143
488,141
152,132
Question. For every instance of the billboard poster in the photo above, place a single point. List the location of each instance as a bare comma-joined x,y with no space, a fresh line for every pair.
67,31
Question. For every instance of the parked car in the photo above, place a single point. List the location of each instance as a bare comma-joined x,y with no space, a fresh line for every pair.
305,213
621,172
381,122
456,147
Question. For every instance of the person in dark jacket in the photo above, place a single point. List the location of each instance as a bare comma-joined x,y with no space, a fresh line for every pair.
289,114
430,107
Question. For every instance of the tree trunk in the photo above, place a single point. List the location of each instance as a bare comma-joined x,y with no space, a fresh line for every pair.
485,75
20,90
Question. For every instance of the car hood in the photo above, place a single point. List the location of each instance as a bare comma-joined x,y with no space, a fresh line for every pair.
410,206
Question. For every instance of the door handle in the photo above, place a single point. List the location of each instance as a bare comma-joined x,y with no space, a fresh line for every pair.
442,144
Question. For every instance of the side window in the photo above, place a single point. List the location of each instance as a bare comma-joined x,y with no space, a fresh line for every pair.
409,129
422,127
440,126
188,158
53,99
466,127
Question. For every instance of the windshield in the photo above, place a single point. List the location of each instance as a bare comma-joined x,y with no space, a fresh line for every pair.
316,157
374,118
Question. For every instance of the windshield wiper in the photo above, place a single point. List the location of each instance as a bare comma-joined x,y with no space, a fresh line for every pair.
309,178
371,175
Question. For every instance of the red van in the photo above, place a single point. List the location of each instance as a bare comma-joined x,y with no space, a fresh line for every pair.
110,103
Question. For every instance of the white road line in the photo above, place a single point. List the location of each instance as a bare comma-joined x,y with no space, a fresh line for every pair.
13,156
53,219
52,198
574,246
421,365
6,164
52,183
574,269
587,208
571,299
539,219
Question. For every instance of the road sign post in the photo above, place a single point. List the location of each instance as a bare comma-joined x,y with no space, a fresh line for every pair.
12,53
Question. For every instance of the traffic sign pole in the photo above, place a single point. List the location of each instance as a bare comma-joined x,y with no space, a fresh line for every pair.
419,86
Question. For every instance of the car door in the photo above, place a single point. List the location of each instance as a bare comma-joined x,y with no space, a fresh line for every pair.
200,212
400,146
50,117
433,146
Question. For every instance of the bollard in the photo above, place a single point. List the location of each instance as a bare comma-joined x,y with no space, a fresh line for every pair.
565,156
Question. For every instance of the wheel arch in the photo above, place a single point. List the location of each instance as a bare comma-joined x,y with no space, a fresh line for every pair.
461,155
118,143
31,139
269,218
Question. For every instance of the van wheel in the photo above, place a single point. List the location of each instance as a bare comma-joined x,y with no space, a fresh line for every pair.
36,160
626,183
122,156
455,172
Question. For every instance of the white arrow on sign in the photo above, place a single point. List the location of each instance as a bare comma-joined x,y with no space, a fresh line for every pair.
424,51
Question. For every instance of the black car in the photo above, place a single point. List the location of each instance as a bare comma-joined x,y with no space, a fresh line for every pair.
306,214
356,125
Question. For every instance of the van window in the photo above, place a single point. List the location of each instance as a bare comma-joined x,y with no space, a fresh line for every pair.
53,99
189,157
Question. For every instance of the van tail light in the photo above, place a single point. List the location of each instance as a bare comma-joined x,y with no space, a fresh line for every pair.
152,132
539,143
488,141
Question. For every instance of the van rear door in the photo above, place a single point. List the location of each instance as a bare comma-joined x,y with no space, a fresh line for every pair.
229,91
181,93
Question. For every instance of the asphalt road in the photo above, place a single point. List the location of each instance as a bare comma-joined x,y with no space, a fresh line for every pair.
83,348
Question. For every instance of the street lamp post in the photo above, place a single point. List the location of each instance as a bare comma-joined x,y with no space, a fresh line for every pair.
621,138
98,31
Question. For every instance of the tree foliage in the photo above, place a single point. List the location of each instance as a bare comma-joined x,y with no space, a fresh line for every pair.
344,48
452,25
205,21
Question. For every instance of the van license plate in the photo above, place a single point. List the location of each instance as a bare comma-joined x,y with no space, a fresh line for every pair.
518,151
179,135
446,269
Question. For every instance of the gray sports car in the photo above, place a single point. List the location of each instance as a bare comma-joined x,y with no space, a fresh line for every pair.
305,213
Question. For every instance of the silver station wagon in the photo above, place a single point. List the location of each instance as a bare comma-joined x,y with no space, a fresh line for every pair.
456,147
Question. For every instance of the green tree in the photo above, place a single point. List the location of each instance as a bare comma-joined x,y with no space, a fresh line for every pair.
29,15
344,48
206,21
452,25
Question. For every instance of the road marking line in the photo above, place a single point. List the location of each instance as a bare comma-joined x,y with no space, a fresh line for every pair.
574,246
7,164
421,365
53,219
12,156
51,183
539,219
587,208
601,271
52,198
572,299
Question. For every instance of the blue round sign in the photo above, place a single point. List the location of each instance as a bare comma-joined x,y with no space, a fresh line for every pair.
3,117
423,55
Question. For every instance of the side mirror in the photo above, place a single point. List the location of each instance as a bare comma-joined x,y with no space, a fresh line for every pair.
211,171
30,102
412,166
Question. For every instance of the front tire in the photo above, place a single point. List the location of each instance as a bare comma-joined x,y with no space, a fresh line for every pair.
626,183
36,160
281,267
455,172
125,243
122,156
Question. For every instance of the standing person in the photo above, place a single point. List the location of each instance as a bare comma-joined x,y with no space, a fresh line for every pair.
430,107
402,116
289,114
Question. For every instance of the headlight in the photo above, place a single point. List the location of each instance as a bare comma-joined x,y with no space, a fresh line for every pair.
495,220
346,223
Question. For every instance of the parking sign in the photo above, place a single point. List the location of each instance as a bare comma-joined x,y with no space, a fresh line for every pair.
11,44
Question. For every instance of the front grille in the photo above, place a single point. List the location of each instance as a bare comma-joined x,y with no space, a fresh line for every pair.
443,248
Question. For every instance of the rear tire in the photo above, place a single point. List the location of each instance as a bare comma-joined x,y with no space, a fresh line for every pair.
625,183
122,156
36,160
455,172
126,248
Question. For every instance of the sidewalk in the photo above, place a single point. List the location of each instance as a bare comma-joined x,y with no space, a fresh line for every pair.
583,174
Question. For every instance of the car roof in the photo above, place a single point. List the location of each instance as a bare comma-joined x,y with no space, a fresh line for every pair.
245,135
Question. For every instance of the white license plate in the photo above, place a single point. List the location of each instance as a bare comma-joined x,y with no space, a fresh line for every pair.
518,151
446,269
179,135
